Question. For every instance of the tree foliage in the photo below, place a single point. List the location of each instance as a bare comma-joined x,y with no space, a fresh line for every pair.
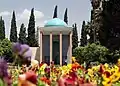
22,34
105,23
83,39
75,36
112,24
31,30
55,12
92,53
66,17
6,50
2,29
13,31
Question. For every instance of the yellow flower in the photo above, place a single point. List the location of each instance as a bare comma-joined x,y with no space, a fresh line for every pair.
17,71
105,78
116,68
73,59
65,70
118,74
90,72
43,66
118,60
95,68
106,66
106,83
114,78
34,63
69,66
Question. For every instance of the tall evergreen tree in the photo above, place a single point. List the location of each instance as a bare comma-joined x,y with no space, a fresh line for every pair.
37,36
22,34
3,26
83,39
75,36
55,12
13,32
31,30
2,29
66,17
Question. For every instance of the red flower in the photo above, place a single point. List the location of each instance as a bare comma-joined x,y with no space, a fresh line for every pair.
70,81
43,78
41,64
46,80
107,74
32,77
73,75
81,81
66,81
101,70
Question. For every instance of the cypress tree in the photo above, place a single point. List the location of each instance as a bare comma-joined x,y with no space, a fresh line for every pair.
55,12
31,30
83,39
13,32
22,34
3,26
2,29
37,36
75,36
66,17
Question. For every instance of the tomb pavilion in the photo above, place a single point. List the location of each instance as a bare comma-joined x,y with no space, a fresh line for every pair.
55,42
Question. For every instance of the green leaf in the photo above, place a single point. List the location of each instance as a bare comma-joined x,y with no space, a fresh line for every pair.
117,84
1,83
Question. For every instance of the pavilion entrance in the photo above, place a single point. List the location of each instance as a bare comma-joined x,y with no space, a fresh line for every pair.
56,54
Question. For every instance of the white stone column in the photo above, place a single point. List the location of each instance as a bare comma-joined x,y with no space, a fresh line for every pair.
60,48
51,47
41,34
70,48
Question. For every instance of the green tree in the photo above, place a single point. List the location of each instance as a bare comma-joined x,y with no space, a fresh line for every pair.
31,30
55,12
22,34
2,29
92,53
66,17
37,35
83,39
6,50
13,31
74,37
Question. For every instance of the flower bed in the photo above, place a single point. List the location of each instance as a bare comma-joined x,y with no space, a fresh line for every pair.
68,75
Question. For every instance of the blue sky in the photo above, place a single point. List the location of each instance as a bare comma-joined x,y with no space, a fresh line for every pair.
78,10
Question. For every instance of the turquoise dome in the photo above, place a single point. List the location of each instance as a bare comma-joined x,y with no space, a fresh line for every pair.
55,22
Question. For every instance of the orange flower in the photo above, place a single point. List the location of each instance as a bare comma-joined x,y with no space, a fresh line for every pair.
76,66
46,80
43,78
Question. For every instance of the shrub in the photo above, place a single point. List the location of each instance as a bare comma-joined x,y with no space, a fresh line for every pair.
91,53
6,49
